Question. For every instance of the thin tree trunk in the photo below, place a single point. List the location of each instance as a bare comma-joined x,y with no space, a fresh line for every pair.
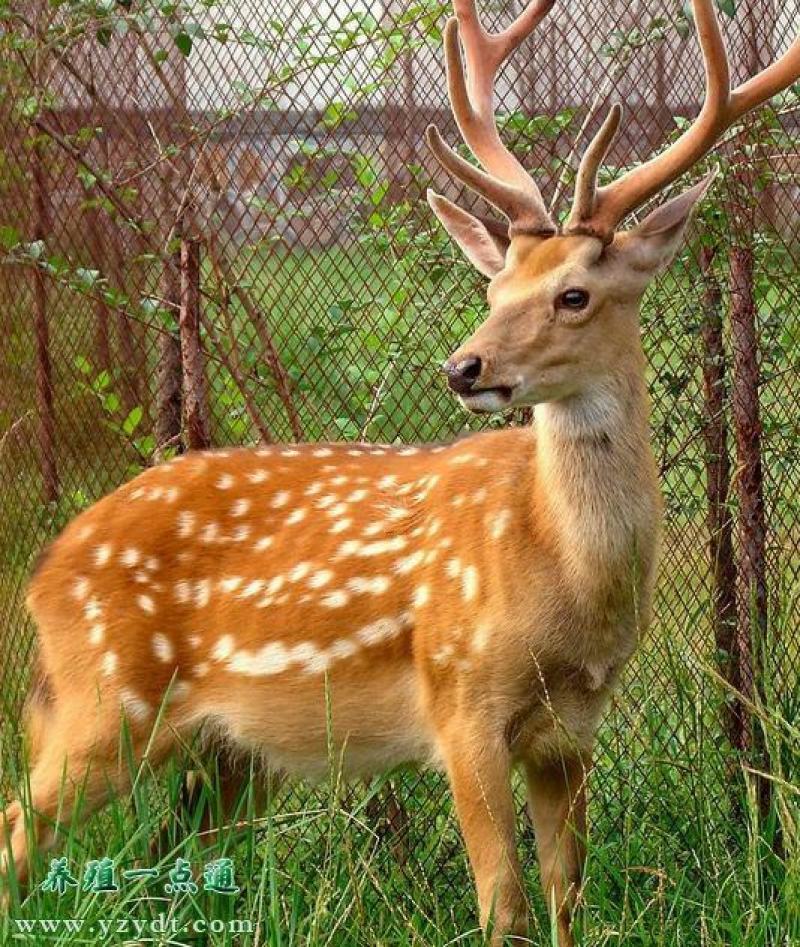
169,375
44,369
195,401
752,530
719,517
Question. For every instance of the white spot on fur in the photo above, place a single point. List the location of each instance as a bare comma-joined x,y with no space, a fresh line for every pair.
385,483
209,533
241,533
322,452
109,663
146,603
320,578
258,476
186,521
202,593
162,648
357,496
291,452
194,641
102,554
96,633
225,482
182,591
462,458
130,557
93,609
135,707
300,571
326,501
80,588
500,523
383,629
241,506
252,588
336,599
421,595
469,583
171,494
407,563
339,481
453,567
313,489
280,499
383,546
408,452
296,516
337,510
480,639
223,649
264,543
152,564
350,547
230,583
340,526
371,585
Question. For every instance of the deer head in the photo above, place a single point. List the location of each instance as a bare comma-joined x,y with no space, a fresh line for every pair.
563,304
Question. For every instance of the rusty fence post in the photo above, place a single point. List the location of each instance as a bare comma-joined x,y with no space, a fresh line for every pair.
44,369
169,375
195,400
719,515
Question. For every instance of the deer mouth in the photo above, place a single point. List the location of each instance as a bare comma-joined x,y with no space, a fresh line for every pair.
487,400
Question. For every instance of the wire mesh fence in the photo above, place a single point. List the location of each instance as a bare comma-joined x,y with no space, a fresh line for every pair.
213,231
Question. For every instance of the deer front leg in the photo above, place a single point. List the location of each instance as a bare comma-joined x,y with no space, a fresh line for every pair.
479,769
557,797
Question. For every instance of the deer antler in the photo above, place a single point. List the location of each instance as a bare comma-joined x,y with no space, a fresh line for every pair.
505,182
598,211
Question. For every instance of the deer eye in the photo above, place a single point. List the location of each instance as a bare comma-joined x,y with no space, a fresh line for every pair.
574,299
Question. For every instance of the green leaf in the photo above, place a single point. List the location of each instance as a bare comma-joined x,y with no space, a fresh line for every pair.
111,402
728,7
184,43
83,364
133,420
9,236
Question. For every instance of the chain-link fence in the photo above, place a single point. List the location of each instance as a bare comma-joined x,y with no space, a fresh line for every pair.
213,231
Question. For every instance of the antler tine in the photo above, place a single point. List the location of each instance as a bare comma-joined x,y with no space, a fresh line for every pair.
721,108
586,180
506,184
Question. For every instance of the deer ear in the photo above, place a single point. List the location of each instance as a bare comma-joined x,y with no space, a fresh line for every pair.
484,248
652,244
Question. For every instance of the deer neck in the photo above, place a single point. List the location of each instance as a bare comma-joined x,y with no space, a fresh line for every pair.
596,482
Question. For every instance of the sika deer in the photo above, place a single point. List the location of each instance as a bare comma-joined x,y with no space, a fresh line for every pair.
468,606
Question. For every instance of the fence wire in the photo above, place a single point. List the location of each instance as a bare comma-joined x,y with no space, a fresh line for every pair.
266,160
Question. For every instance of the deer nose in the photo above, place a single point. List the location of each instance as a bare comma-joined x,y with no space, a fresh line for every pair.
463,374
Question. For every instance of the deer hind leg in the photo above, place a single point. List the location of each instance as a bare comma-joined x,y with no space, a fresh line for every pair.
78,767
479,769
557,797
225,793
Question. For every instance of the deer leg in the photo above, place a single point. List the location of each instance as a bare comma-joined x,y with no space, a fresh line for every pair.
557,797
75,773
479,770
